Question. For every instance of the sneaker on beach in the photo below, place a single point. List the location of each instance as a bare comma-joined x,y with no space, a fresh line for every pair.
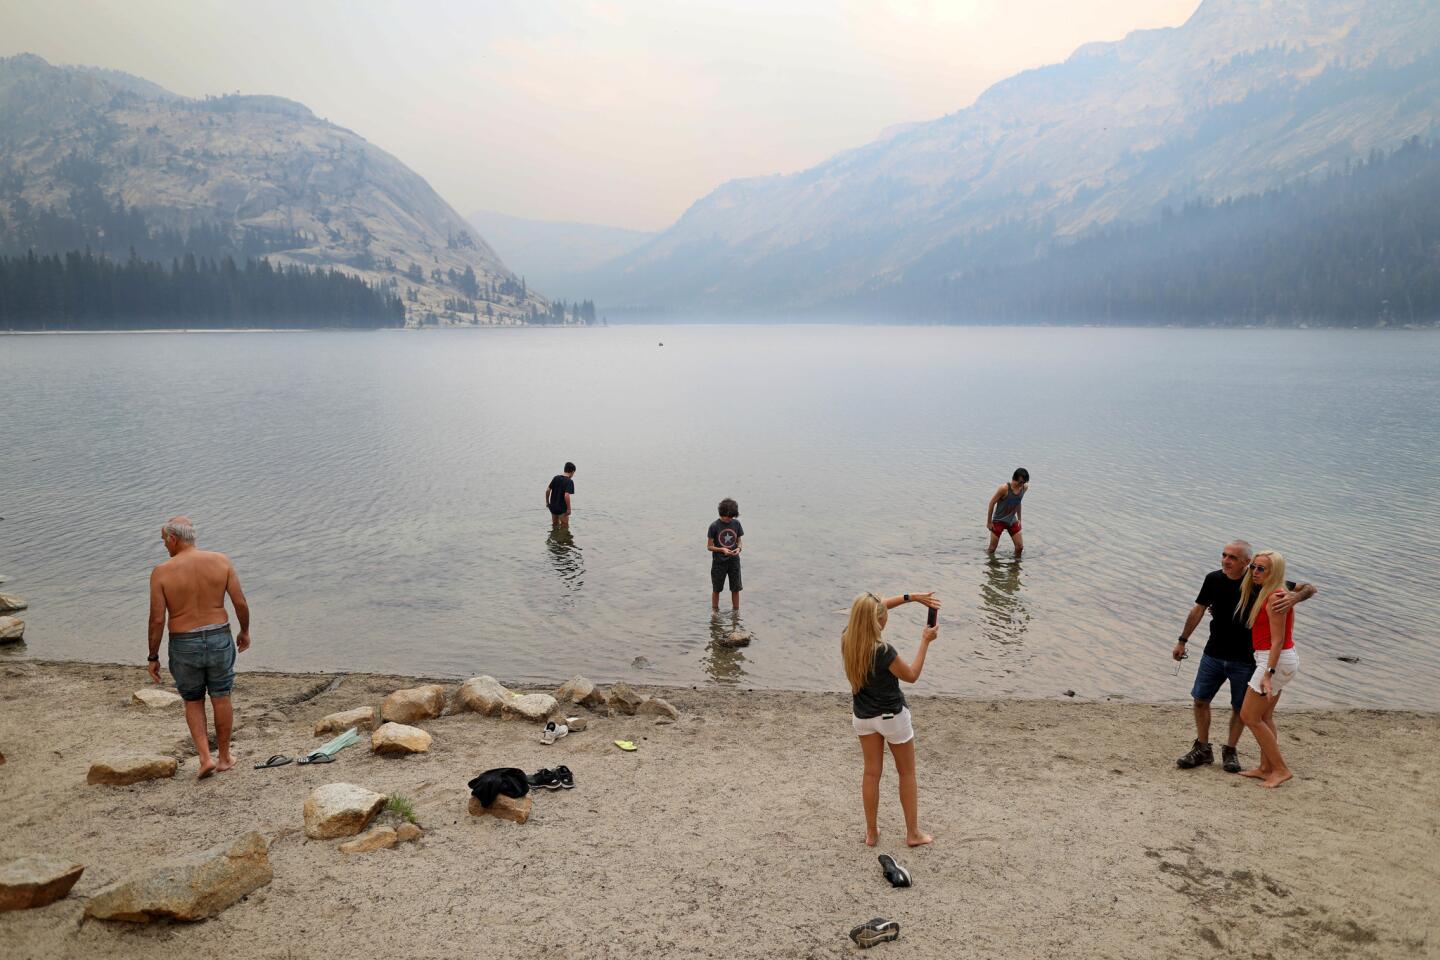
1231,758
553,731
546,778
566,778
1198,755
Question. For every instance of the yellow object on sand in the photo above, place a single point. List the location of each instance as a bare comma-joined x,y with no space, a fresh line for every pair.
625,745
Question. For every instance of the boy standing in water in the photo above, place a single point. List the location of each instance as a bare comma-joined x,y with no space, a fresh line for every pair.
1002,513
557,496
724,541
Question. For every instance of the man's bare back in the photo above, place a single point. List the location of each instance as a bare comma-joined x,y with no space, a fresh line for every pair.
192,586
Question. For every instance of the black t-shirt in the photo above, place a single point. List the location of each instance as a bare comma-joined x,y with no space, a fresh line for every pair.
881,693
560,486
1229,635
725,533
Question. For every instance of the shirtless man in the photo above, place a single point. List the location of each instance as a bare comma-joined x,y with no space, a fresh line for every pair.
190,588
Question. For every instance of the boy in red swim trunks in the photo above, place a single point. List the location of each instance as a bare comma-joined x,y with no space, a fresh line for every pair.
1002,513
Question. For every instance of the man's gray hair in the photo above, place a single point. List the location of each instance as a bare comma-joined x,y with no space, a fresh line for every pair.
180,528
1245,547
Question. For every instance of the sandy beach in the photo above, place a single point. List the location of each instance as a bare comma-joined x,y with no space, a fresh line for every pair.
1061,829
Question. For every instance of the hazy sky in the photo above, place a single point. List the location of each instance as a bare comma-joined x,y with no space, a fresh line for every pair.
620,113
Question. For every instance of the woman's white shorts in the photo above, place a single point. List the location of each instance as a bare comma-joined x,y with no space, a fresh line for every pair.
894,727
1285,669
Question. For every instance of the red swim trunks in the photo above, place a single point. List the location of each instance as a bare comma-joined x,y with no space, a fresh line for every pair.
999,528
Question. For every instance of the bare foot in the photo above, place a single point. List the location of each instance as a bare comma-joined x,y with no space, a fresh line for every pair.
919,839
1275,779
872,838
206,769
1259,773
226,763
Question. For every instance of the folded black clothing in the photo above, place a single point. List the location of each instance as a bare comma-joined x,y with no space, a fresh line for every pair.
490,784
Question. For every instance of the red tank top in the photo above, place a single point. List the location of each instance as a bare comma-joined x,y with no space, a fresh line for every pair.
1260,633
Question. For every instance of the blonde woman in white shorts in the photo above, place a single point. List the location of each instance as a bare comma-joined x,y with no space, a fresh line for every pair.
880,714
1276,661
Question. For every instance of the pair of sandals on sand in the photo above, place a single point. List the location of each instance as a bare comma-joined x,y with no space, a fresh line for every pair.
881,930
322,754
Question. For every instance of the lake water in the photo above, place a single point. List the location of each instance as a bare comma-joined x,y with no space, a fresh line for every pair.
381,495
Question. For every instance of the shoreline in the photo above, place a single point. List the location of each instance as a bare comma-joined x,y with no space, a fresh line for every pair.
1061,829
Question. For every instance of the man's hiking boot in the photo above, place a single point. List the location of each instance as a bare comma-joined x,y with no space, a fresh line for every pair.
1231,759
1199,754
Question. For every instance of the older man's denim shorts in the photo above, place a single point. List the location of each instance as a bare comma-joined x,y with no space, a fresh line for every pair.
203,661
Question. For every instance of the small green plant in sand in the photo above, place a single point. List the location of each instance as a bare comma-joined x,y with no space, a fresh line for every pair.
401,807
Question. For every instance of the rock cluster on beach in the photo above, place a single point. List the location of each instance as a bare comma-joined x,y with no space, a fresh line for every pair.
505,808
397,738
361,718
9,603
194,887
414,704
340,810
11,629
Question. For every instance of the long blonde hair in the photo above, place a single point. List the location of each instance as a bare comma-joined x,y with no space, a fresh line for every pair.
861,639
1274,580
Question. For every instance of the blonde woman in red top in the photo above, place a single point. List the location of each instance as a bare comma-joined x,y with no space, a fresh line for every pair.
1276,662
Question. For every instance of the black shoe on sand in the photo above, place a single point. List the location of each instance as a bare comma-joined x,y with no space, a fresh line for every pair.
875,931
566,778
1231,759
546,778
1199,754
896,874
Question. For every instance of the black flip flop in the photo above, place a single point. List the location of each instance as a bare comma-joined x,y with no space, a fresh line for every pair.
279,760
896,874
316,758
875,931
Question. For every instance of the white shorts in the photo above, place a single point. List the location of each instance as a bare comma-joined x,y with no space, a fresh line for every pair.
1285,669
894,727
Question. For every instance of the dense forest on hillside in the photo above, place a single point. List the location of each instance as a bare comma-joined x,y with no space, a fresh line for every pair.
83,291
1358,247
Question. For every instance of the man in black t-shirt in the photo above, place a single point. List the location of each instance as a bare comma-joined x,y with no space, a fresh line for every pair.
1228,654
724,540
557,496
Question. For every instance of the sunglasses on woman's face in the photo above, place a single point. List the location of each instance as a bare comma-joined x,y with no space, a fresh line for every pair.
1258,568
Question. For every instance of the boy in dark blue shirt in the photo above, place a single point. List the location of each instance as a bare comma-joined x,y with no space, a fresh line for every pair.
724,541
557,496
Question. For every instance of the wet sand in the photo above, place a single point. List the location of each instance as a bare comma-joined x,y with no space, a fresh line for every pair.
1061,829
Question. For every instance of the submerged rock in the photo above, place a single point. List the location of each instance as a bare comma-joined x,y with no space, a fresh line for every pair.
36,881
122,771
414,704
195,887
9,603
340,810
11,629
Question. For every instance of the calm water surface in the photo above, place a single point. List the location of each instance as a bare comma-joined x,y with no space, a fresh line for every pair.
381,495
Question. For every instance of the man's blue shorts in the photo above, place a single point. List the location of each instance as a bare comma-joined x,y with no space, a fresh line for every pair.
1214,672
203,661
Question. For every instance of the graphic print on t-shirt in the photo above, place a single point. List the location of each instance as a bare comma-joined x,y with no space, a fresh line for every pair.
726,533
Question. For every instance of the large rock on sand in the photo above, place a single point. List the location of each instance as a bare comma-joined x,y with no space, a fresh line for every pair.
361,718
506,808
11,629
656,707
528,706
397,738
195,887
483,695
340,810
122,771
9,603
381,838
155,698
624,699
581,691
414,704
36,881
